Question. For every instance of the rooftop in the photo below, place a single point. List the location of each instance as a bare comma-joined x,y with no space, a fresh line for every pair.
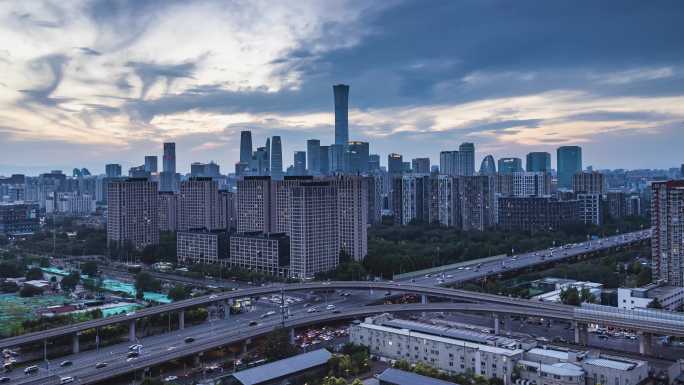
560,369
610,363
283,368
400,377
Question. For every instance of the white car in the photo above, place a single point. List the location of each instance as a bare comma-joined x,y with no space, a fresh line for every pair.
170,378
330,307
66,380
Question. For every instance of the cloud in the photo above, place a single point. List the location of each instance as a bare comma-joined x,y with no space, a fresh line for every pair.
53,67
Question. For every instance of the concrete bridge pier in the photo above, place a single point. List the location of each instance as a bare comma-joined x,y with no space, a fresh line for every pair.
581,333
292,336
181,320
496,324
423,300
509,324
76,346
131,330
645,343
245,345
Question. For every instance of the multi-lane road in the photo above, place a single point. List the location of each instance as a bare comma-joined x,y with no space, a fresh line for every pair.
475,269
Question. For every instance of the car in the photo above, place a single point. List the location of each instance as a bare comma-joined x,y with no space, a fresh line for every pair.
189,340
330,307
135,347
170,378
336,311
8,367
253,323
66,380
101,365
312,310
65,363
213,296
4,379
31,369
133,354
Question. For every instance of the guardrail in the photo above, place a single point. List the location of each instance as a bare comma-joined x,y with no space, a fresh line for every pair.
453,266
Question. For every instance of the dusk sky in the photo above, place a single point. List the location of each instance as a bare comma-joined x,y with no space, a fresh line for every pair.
84,83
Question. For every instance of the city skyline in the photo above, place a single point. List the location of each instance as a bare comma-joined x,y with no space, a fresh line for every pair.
93,83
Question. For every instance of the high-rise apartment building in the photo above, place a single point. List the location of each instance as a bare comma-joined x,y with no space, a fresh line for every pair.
324,160
168,211
276,158
510,165
341,96
267,253
590,208
313,156
314,233
526,184
536,213
589,182
569,162
19,218
245,146
667,226
254,204
281,197
538,162
198,204
132,213
227,211
420,165
352,205
449,202
477,202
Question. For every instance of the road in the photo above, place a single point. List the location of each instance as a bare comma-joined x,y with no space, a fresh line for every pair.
477,270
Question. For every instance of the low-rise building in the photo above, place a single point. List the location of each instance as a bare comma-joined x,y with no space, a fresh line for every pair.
202,246
669,297
393,376
395,340
554,295
268,253
289,370
18,218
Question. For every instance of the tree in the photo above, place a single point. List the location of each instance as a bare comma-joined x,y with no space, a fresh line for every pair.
570,296
643,277
152,381
34,273
11,269
29,291
587,296
179,292
8,287
145,282
357,382
276,345
329,380
655,304
89,268
70,282
402,365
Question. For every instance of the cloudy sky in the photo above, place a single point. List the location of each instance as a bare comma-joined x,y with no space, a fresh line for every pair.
84,83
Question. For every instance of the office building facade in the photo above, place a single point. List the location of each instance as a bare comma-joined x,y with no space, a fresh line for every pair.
420,165
589,183
202,247
267,253
341,98
569,163
536,213
510,165
538,162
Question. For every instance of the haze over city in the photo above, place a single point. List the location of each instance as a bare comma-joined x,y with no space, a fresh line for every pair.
89,83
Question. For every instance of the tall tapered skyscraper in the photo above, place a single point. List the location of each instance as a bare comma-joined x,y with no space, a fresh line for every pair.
170,157
276,158
245,146
341,93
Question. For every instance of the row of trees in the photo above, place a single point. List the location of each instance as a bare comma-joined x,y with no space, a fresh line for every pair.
394,249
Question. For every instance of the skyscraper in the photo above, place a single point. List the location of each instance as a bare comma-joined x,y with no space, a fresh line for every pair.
276,158
356,157
245,146
352,206
313,156
569,162
151,164
667,223
268,154
589,183
341,94
169,157
538,162
466,156
373,162
488,166
113,170
132,213
324,160
336,157
395,164
299,163
420,165
449,163
510,165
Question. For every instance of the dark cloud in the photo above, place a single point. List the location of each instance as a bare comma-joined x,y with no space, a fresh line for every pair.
151,73
89,51
53,66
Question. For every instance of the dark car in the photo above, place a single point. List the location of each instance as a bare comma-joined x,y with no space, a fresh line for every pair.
66,363
253,323
4,379
133,354
189,340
